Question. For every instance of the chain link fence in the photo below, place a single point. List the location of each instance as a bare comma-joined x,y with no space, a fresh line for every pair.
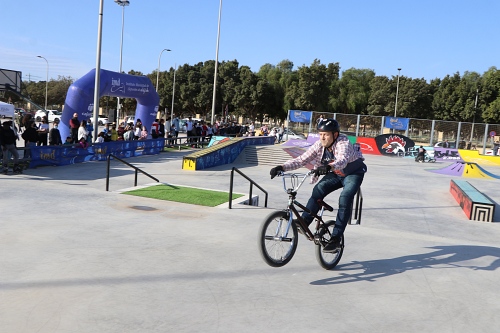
422,131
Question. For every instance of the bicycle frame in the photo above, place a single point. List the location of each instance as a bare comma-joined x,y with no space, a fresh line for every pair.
292,202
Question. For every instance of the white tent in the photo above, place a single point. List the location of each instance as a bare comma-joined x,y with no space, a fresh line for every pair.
6,110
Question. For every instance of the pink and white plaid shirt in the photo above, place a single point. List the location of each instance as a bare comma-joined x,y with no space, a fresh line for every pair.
343,151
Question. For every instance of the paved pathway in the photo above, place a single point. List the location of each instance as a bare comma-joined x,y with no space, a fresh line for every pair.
76,258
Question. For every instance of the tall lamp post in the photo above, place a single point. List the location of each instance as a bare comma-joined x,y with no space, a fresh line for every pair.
474,118
173,96
121,3
397,92
216,63
158,71
46,81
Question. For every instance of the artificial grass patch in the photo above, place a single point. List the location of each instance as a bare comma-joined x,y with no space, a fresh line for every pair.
188,195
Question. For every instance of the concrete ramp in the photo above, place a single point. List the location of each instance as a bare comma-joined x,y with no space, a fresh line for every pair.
224,152
467,170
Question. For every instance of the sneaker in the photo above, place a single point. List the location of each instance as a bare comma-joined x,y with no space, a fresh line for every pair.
333,245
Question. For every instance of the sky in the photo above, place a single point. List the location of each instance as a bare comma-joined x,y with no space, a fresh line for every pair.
426,39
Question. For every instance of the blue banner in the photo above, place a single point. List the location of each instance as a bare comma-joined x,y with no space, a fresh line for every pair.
300,116
397,123
65,155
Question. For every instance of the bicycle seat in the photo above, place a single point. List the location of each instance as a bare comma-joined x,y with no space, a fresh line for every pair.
324,204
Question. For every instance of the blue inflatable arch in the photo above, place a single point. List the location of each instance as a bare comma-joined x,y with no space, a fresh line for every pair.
80,97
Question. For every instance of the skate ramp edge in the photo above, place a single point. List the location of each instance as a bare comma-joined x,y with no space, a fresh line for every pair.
223,153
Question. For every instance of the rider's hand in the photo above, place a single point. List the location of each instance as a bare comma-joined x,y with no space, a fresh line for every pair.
274,171
322,170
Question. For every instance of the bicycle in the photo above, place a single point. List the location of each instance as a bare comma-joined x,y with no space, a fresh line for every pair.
278,235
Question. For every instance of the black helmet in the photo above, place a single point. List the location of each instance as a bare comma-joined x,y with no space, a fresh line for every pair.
328,125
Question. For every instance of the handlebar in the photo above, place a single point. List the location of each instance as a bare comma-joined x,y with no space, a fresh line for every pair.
295,181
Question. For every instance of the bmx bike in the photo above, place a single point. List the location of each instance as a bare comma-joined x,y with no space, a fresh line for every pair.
426,158
278,234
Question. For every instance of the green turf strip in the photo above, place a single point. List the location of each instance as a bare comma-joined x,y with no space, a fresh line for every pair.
188,195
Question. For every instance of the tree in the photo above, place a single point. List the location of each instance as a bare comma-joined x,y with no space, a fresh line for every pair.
353,91
381,94
313,87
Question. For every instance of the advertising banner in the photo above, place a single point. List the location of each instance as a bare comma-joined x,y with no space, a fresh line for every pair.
65,155
393,144
396,123
299,116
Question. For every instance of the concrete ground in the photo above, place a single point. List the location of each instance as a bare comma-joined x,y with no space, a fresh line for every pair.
75,258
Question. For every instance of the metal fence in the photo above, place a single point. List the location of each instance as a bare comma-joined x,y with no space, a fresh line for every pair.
421,131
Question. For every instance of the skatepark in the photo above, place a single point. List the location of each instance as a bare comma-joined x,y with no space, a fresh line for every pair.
79,259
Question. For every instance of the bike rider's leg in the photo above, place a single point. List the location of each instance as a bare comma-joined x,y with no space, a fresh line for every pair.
352,184
326,185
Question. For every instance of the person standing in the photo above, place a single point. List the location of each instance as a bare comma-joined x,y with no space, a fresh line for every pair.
137,130
90,130
251,129
30,136
55,135
161,128
175,123
281,131
82,131
155,129
319,120
43,132
8,142
189,129
74,124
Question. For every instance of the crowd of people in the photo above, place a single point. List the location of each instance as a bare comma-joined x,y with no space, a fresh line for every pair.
198,132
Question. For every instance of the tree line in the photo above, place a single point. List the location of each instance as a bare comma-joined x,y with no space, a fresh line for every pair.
275,89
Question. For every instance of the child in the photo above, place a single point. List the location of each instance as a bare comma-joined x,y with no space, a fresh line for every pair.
100,138
82,143
69,141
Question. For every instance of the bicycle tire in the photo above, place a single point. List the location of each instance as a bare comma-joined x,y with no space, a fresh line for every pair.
275,248
325,259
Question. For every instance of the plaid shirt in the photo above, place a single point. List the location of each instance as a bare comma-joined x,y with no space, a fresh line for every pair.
344,152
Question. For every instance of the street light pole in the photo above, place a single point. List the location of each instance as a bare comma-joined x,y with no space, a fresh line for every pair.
474,118
216,63
158,71
121,3
397,92
46,81
173,96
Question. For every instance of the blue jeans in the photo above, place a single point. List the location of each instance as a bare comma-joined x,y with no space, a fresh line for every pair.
329,183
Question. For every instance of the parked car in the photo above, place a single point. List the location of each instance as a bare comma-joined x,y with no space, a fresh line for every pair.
101,120
451,144
129,119
289,134
52,115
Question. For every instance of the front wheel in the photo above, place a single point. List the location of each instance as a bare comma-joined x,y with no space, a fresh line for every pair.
277,241
328,260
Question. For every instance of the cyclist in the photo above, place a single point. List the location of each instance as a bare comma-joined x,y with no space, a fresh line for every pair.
421,154
341,163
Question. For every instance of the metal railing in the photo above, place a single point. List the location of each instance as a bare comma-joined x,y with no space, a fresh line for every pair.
358,208
251,187
137,170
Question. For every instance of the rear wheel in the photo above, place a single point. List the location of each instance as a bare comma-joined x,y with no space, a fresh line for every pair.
277,245
328,260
